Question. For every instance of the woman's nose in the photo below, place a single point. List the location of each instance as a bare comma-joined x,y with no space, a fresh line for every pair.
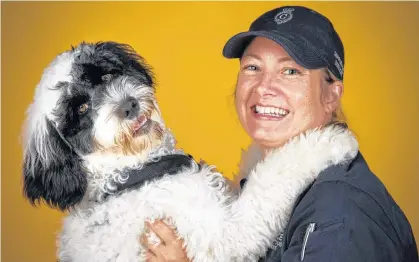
265,86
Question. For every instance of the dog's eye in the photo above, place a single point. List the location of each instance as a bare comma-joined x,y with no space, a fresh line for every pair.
82,108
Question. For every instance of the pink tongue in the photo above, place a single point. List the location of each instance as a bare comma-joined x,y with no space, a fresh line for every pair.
141,121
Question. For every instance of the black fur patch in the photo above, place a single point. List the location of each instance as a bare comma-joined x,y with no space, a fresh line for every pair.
74,127
110,58
62,182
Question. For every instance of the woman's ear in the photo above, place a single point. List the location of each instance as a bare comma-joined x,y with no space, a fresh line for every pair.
332,95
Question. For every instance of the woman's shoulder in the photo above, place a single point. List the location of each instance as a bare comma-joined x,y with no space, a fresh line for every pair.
350,185
351,197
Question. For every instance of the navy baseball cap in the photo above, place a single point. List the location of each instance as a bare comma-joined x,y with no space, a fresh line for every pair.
308,37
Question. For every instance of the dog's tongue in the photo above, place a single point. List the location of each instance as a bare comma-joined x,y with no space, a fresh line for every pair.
141,121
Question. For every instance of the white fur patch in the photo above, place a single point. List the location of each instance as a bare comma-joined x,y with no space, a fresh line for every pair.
45,100
108,123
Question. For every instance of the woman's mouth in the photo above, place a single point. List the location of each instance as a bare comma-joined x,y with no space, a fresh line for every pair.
269,111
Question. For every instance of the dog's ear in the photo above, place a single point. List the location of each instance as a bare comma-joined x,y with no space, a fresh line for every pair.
52,172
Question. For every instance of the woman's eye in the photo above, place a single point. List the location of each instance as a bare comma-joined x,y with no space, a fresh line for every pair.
82,108
291,71
251,68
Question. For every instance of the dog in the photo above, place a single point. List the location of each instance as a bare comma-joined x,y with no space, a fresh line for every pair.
96,145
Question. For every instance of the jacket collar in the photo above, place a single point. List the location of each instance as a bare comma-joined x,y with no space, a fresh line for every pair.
253,155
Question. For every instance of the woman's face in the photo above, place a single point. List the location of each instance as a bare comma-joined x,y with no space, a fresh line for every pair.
277,99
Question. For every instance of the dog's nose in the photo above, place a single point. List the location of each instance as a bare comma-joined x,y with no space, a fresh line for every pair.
129,108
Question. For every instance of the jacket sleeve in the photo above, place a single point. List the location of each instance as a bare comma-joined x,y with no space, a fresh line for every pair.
338,228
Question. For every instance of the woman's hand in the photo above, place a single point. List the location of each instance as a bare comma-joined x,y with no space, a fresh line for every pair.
171,247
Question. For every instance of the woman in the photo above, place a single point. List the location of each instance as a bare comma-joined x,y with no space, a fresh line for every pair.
291,81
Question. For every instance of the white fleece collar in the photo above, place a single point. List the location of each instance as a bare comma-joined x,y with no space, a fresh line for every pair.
335,136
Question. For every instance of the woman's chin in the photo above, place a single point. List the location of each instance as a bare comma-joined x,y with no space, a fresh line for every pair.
268,139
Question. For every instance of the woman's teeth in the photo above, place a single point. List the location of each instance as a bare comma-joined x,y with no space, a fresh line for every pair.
272,111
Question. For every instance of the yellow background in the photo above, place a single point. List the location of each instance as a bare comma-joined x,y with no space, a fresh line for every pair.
183,42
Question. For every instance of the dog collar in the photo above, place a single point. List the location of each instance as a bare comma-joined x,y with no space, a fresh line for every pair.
166,165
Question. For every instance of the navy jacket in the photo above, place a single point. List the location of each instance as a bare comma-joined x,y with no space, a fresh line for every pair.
346,215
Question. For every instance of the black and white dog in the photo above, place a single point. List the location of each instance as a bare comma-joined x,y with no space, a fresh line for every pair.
97,146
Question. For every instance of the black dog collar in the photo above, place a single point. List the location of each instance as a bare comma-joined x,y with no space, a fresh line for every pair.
166,165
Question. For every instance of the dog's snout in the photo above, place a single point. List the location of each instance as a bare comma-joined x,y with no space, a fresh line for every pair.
129,108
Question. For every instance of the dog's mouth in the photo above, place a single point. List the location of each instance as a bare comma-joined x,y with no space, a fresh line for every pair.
141,125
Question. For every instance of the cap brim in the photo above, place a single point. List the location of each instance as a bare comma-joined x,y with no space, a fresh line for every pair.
296,47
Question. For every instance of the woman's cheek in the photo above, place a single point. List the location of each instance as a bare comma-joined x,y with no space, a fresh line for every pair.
299,97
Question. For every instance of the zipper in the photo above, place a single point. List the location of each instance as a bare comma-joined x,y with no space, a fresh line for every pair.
309,230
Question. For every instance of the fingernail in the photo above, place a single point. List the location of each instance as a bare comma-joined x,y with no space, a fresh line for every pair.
148,224
146,230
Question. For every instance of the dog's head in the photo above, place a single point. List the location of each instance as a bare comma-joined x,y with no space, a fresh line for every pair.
94,107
